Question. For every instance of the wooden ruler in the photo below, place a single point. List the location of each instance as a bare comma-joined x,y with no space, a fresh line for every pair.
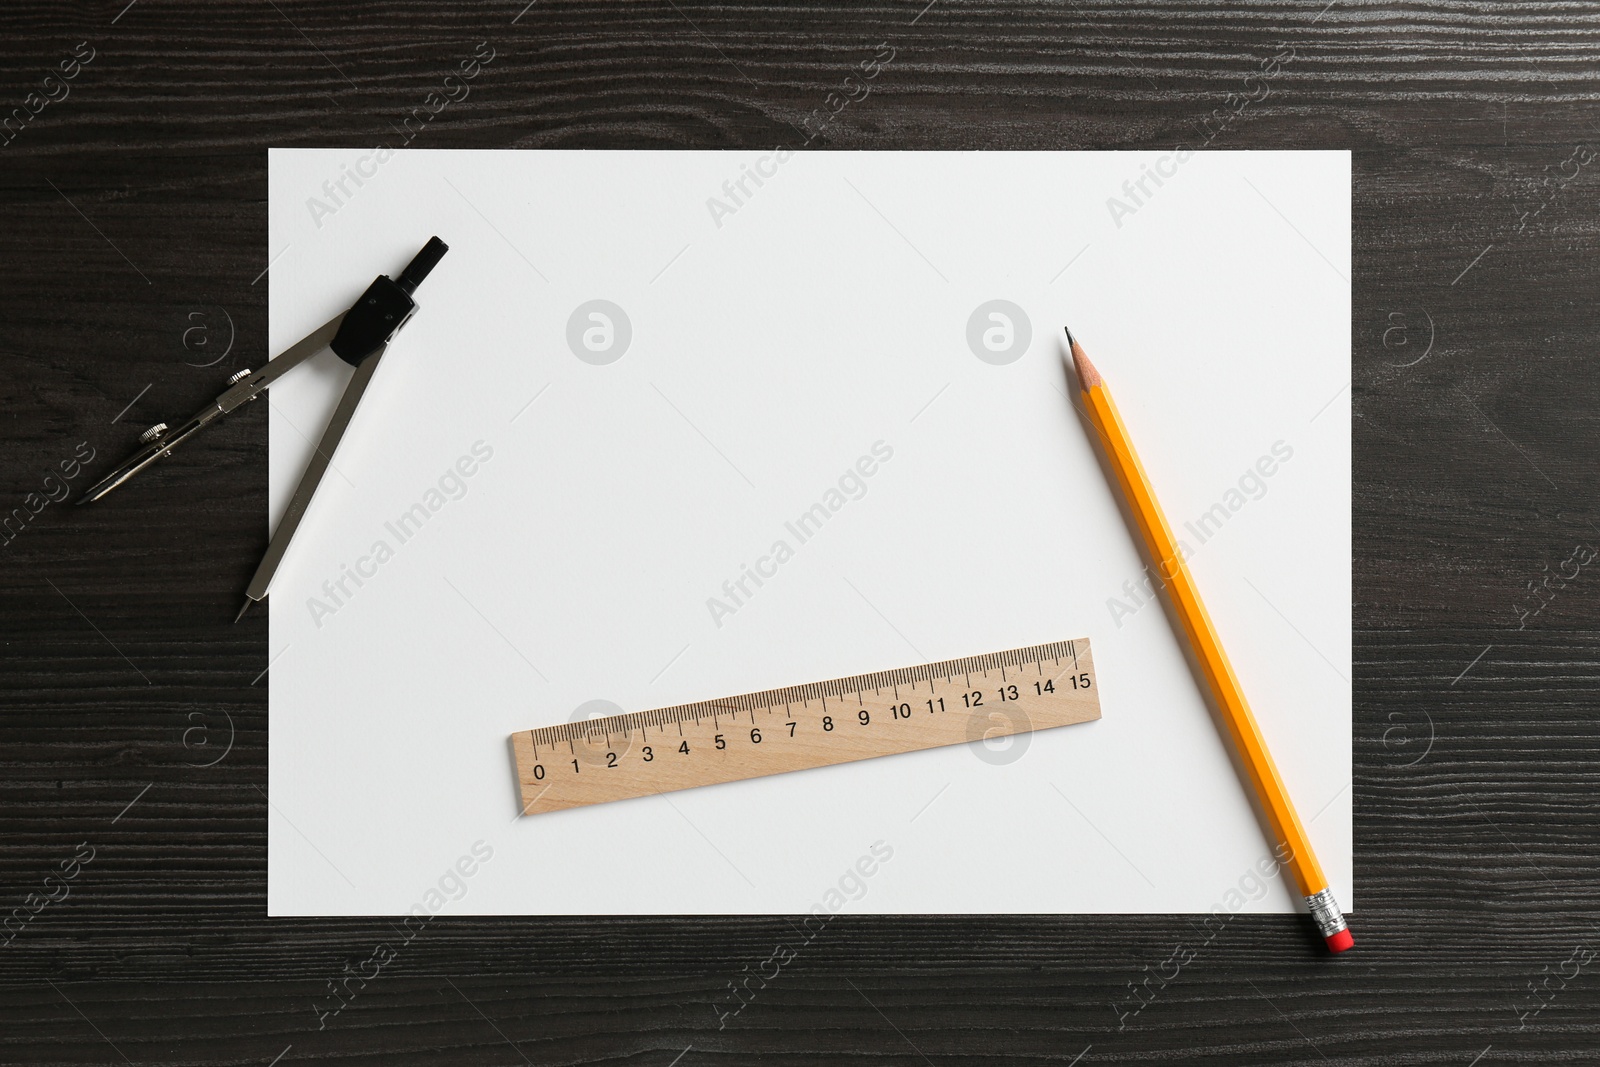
805,726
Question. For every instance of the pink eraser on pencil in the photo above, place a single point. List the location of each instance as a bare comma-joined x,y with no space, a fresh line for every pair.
1340,941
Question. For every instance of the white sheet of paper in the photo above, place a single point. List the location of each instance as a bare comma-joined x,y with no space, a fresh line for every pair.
776,332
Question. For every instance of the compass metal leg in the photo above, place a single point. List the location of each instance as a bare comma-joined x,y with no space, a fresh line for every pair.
309,481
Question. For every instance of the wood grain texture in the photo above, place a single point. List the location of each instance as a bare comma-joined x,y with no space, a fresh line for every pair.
138,199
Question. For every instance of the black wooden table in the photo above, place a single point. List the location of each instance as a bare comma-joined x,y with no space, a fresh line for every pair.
133,731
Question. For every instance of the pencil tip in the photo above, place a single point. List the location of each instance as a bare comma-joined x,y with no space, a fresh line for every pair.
1088,377
247,603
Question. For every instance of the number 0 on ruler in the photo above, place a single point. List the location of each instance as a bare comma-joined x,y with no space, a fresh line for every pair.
806,726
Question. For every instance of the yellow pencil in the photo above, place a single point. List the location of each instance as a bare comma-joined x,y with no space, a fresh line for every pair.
1293,846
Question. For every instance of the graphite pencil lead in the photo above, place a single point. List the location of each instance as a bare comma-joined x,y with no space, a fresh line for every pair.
1088,377
247,603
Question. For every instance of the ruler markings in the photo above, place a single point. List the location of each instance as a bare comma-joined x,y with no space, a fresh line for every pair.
822,738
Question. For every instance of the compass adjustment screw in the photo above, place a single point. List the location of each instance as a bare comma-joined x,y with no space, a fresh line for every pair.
153,433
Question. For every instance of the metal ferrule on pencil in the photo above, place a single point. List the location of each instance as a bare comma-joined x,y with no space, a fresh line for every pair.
1325,912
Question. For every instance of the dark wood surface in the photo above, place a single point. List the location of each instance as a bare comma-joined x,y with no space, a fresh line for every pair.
139,200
